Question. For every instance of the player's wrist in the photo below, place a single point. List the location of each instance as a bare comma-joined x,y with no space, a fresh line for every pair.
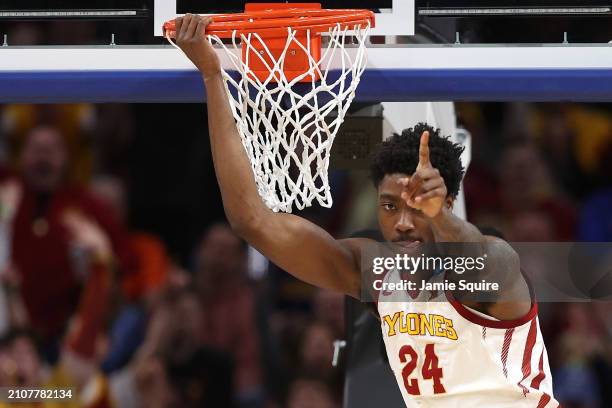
441,216
211,76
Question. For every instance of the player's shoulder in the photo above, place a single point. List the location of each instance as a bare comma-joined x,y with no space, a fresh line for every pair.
497,242
357,243
357,247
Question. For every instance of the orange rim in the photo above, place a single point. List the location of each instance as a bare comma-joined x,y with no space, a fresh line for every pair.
276,22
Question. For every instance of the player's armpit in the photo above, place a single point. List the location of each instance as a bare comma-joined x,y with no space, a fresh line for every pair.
307,251
513,303
502,265
513,298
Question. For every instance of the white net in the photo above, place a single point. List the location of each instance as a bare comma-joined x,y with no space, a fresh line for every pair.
287,127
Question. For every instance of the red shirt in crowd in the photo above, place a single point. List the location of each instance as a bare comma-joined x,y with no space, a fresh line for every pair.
47,265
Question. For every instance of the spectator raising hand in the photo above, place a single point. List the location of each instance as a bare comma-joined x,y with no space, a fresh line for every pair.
87,236
10,195
12,311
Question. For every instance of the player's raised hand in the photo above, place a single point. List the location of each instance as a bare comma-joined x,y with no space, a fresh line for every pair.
425,190
191,38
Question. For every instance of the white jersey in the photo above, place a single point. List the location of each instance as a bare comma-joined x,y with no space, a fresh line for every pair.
444,354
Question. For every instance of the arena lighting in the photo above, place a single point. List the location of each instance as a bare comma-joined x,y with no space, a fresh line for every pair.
55,14
514,11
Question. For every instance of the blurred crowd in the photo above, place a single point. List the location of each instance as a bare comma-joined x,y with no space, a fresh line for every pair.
101,298
542,173
89,301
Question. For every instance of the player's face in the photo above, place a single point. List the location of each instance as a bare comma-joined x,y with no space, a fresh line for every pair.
397,221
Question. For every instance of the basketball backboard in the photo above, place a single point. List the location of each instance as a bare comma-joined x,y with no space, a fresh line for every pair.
497,58
394,17
29,10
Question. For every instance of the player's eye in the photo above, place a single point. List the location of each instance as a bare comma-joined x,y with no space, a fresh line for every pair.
388,206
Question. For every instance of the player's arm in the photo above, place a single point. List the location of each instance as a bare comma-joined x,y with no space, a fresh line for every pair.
425,190
296,245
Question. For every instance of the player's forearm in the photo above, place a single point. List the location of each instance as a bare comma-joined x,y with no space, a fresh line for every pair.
447,227
462,238
241,200
465,240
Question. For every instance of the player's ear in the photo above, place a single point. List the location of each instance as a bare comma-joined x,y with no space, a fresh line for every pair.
450,202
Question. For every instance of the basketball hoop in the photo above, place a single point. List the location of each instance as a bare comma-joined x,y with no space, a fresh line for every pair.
288,84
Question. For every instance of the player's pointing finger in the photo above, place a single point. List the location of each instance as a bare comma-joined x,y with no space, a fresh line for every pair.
424,150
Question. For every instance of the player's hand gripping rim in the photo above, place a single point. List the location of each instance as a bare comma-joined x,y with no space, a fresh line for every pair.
192,40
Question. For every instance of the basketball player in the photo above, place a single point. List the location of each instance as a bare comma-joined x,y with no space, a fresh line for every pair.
450,353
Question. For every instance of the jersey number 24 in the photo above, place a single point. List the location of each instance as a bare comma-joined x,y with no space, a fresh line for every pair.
430,369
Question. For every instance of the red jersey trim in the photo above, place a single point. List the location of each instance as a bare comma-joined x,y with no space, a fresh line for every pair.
495,324
531,340
506,349
544,400
537,380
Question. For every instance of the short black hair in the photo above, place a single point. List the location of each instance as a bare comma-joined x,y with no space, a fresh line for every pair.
400,154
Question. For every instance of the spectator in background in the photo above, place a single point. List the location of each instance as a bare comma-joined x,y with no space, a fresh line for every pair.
315,357
592,127
150,258
228,307
602,364
310,393
526,185
21,365
595,218
532,226
148,277
112,137
575,381
557,140
172,368
595,215
53,265
329,309
74,122
316,353
579,341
